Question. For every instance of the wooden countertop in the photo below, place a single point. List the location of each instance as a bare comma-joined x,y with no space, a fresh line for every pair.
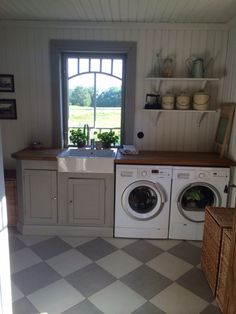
223,216
49,154
144,157
172,158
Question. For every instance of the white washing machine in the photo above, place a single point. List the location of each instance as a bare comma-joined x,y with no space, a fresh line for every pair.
142,201
192,190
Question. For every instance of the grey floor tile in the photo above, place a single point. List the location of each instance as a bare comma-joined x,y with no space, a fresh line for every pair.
195,281
15,244
96,249
90,279
146,281
50,248
34,278
211,309
85,307
23,306
188,252
148,308
142,250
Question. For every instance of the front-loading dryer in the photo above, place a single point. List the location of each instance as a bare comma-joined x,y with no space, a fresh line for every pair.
192,190
142,201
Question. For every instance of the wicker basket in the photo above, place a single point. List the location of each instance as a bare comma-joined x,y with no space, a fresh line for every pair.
223,269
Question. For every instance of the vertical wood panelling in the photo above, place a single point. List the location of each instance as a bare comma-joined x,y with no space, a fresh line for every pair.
25,53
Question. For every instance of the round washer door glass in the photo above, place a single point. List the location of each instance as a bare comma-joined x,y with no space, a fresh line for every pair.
194,198
143,200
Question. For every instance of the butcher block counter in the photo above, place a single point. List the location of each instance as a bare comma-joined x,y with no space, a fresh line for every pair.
172,158
48,154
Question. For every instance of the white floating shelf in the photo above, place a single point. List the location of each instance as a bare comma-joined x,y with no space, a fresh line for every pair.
200,113
204,80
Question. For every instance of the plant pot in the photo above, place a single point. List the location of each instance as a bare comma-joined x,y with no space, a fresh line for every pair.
106,145
81,144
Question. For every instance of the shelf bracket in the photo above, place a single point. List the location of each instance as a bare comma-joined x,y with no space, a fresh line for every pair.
200,117
203,85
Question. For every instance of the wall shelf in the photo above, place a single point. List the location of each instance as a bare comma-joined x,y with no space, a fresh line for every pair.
204,80
199,114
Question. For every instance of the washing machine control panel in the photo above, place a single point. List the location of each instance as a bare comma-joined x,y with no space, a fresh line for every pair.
153,173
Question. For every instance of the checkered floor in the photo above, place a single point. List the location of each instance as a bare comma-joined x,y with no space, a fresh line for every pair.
73,275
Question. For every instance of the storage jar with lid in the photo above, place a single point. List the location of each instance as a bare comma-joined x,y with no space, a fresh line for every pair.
168,101
183,101
201,100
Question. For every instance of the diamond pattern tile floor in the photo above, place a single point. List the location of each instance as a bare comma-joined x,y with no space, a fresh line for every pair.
75,275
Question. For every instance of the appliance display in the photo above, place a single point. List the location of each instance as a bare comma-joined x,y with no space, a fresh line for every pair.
192,190
142,201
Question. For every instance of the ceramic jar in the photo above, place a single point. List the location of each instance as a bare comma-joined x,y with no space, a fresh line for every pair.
201,100
183,101
168,101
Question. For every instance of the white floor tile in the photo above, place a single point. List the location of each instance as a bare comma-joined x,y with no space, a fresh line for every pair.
164,244
22,259
55,298
119,263
76,241
68,262
120,243
177,300
16,293
117,299
169,266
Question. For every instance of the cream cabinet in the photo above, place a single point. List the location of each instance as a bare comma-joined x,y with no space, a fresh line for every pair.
86,202
40,196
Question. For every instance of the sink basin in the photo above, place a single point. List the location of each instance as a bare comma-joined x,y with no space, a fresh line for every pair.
86,160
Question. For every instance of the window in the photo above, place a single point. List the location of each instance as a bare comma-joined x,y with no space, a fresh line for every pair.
94,93
104,73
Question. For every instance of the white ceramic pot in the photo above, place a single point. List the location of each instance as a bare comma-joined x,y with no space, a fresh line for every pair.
183,101
168,101
201,101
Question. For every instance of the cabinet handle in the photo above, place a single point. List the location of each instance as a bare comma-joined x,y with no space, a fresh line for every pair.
54,198
70,202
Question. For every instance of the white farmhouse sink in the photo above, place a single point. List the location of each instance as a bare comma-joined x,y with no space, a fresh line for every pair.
86,160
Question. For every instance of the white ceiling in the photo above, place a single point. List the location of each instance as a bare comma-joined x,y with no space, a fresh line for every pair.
147,11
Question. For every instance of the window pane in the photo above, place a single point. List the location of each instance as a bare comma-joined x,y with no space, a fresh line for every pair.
106,66
80,100
83,65
72,66
95,65
117,67
108,102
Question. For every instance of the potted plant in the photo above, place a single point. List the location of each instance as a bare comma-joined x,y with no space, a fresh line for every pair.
78,137
107,138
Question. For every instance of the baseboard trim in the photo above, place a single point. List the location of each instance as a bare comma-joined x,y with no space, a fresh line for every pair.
65,230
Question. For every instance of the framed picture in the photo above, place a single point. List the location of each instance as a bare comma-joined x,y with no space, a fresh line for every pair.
7,83
8,109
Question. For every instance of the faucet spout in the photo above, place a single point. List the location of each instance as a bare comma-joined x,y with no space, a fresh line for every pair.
86,132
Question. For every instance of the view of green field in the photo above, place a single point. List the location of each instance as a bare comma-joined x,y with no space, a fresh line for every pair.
106,117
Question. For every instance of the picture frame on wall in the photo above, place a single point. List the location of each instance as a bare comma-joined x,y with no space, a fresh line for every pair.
7,83
8,109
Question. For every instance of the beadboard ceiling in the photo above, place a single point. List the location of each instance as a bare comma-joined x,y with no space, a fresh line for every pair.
145,11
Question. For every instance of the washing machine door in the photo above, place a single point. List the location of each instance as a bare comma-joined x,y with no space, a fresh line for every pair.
194,198
143,200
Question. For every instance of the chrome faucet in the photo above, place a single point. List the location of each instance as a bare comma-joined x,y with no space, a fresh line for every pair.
86,132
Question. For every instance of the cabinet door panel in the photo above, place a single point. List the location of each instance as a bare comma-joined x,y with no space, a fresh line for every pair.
40,196
86,201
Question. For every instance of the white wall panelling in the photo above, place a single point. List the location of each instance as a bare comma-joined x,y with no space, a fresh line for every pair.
25,53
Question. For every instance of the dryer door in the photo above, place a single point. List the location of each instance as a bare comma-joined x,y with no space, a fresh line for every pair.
143,200
194,198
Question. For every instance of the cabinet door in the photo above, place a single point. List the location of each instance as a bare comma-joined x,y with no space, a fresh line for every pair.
87,202
40,196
